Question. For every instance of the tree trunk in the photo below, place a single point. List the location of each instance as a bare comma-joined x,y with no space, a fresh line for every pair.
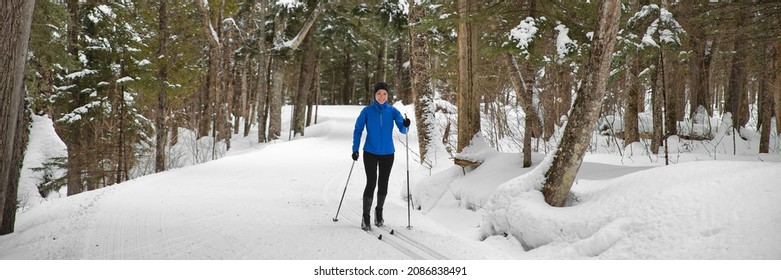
704,93
525,93
632,88
736,89
671,93
532,124
314,99
700,89
695,78
73,131
161,129
564,94
547,100
574,143
777,86
263,61
227,85
244,99
121,168
468,96
15,22
306,75
679,91
400,82
656,105
381,57
209,107
263,105
366,85
277,76
275,98
766,104
347,88
420,75
252,98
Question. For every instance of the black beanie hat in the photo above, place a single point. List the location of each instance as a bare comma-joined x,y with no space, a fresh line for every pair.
379,86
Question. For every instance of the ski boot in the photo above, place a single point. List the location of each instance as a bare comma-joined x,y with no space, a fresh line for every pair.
378,220
366,221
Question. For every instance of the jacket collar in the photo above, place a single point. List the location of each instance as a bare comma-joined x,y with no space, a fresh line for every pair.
379,106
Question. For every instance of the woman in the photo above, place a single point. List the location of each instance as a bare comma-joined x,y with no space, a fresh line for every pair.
378,119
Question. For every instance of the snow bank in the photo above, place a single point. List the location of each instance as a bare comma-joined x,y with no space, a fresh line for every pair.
472,187
44,144
701,210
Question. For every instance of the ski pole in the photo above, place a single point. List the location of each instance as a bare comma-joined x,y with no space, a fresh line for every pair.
409,197
345,191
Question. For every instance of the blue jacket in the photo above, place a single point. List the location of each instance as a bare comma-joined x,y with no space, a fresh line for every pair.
378,120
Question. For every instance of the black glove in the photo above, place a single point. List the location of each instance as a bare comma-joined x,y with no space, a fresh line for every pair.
406,122
355,155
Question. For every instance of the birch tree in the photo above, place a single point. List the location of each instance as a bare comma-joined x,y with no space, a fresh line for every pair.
575,141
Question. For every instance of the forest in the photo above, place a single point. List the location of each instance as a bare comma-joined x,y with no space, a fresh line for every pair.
122,79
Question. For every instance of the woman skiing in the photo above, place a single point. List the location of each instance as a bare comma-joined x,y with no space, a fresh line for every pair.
378,120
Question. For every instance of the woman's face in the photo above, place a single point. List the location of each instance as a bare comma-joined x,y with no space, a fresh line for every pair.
381,96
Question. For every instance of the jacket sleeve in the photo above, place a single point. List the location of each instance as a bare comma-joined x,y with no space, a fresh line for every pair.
400,122
360,124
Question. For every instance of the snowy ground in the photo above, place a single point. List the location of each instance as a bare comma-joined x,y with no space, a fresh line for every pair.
276,202
272,201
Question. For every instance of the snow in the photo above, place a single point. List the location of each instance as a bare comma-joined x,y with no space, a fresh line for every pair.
80,74
659,28
44,144
404,6
563,41
214,33
679,215
666,35
524,33
276,201
648,36
289,4
102,12
252,204
83,58
124,79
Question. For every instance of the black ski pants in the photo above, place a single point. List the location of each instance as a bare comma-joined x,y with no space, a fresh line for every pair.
371,162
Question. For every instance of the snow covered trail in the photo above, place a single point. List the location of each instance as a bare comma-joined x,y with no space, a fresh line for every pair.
274,203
